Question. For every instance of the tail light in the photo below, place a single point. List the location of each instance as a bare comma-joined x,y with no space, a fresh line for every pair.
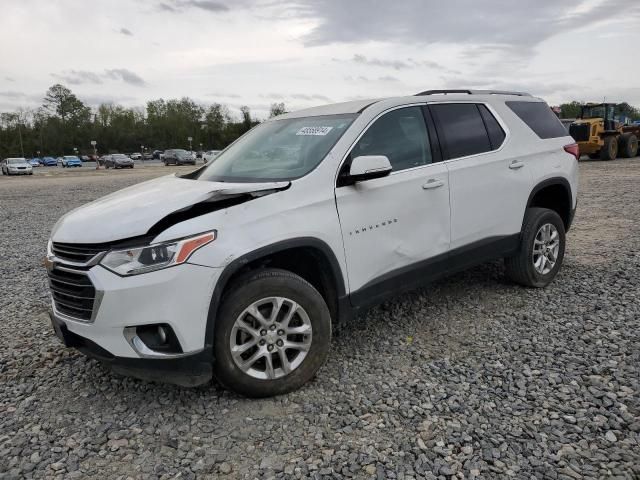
573,150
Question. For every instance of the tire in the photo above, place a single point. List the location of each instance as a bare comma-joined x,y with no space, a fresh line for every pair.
252,289
609,150
520,268
628,145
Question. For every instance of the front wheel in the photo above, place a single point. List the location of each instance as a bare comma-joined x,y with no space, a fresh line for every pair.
272,334
541,252
609,150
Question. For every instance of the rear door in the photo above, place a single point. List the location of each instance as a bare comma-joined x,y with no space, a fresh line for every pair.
488,188
394,226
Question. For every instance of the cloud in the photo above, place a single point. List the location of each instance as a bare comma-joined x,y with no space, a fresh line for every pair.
522,25
296,96
364,79
179,6
78,77
126,31
84,77
12,94
10,79
127,76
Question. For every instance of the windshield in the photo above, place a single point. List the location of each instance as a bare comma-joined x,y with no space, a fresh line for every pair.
15,161
119,156
181,153
70,157
278,150
598,111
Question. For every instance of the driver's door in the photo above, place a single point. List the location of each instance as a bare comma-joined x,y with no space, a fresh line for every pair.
396,229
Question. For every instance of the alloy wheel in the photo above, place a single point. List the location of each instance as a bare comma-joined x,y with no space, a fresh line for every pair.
546,246
271,338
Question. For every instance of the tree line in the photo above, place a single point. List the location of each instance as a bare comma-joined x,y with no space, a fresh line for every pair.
64,123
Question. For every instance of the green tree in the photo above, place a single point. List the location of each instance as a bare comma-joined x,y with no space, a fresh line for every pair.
277,109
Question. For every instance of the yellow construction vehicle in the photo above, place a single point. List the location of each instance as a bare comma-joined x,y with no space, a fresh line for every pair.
599,135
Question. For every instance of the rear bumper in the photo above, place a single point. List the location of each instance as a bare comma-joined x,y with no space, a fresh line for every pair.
187,371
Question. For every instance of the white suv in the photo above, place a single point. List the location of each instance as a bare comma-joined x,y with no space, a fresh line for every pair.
242,268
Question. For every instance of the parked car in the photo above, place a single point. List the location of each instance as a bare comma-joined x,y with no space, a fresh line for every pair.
178,157
135,156
210,155
147,156
157,154
16,166
242,268
49,162
117,160
35,162
199,154
85,158
70,161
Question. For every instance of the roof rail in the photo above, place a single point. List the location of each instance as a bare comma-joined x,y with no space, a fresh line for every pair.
472,92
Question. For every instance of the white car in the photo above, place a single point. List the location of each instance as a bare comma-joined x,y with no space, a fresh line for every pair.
16,166
135,156
209,155
309,217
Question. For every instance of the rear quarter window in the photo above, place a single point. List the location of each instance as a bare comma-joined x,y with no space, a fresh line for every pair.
539,118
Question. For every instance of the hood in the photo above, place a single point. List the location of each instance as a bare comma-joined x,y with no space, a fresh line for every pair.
150,207
21,164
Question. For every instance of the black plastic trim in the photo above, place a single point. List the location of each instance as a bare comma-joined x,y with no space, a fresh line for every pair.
236,265
426,271
548,183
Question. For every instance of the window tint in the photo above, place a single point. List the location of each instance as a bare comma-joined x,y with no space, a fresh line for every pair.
461,129
496,134
400,135
540,118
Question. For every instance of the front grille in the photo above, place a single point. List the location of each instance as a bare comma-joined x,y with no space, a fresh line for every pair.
73,293
77,252
579,131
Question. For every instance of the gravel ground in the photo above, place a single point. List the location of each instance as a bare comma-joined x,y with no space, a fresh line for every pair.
471,377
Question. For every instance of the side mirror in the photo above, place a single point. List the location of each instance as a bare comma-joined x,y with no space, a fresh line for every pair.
368,167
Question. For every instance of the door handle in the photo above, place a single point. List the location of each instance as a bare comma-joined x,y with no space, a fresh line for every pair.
433,183
516,165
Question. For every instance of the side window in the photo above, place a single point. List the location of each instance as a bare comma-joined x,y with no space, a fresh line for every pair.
400,135
539,118
496,134
461,129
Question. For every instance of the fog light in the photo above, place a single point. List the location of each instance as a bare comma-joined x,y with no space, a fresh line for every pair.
159,337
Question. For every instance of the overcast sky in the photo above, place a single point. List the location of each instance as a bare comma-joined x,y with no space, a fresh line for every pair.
310,52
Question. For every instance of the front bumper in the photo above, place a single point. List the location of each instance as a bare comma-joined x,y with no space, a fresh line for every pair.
187,371
178,296
22,171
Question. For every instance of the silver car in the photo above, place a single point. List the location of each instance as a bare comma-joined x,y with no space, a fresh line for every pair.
118,160
16,166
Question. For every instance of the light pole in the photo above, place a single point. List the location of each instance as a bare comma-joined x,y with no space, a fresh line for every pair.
95,153
142,152
190,148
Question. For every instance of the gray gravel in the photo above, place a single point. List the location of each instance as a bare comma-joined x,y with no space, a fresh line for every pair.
471,377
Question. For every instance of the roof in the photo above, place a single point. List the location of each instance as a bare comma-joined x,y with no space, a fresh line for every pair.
430,95
331,109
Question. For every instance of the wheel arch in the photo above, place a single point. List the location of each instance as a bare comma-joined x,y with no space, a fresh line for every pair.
555,194
330,283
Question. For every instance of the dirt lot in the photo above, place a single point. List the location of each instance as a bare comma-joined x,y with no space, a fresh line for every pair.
470,377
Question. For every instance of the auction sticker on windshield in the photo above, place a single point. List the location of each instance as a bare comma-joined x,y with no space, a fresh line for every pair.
314,130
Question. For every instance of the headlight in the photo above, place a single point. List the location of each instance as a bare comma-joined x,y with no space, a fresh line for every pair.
134,261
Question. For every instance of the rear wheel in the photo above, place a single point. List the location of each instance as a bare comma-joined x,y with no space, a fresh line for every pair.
609,150
541,252
628,145
272,334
